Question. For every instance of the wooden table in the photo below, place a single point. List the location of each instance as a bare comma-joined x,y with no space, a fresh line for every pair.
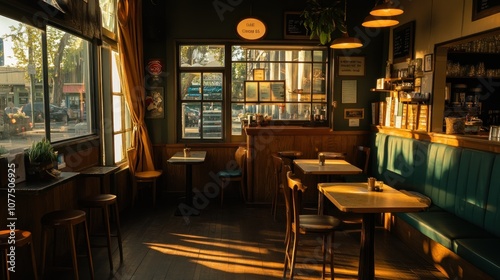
102,172
197,157
355,197
331,167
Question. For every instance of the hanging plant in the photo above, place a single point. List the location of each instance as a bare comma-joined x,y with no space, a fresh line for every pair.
322,17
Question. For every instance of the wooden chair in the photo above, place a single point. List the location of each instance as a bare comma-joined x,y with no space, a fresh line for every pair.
278,182
361,159
148,177
323,225
235,174
333,155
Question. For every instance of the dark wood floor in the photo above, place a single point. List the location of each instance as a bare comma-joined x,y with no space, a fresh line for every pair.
236,242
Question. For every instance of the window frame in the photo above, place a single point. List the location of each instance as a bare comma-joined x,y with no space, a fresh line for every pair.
228,102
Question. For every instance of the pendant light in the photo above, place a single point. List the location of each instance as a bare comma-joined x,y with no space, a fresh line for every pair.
377,22
346,42
388,8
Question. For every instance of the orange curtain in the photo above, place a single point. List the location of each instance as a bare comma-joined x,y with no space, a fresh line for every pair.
132,69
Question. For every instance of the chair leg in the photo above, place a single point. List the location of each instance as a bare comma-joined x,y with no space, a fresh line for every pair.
134,192
324,250
332,267
73,251
153,189
33,261
105,214
5,262
118,232
287,257
294,254
89,252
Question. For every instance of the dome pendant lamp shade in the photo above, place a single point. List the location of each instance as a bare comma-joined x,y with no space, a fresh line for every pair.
346,42
376,22
386,9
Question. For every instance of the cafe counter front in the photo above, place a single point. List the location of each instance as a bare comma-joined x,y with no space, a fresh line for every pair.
266,140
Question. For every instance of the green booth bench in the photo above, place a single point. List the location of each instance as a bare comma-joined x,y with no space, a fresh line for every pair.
460,231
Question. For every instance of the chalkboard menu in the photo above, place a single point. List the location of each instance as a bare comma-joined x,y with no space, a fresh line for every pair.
402,42
484,8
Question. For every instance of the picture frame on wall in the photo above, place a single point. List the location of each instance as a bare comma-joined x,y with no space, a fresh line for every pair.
293,27
428,63
358,113
351,66
484,8
155,103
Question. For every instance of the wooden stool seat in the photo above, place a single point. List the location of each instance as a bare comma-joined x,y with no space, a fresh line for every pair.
104,201
144,175
98,200
67,219
22,238
63,218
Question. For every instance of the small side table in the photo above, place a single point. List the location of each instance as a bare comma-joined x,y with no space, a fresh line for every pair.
102,172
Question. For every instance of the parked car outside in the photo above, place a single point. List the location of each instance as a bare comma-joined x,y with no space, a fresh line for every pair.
56,113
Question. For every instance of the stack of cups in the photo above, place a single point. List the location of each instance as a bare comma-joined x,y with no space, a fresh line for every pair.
494,133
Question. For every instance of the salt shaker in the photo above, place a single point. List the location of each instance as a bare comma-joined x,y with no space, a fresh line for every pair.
371,183
321,158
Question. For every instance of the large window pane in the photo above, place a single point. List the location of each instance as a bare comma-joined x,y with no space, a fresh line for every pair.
201,56
21,81
62,100
70,100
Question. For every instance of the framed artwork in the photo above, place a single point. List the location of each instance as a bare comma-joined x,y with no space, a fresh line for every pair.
251,91
265,91
259,74
155,103
402,42
351,66
484,8
354,113
293,27
428,63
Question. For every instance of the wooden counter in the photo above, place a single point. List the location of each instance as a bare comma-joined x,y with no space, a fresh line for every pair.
263,141
477,142
33,199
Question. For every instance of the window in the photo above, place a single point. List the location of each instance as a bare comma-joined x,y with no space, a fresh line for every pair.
201,91
290,84
286,84
108,15
34,104
122,124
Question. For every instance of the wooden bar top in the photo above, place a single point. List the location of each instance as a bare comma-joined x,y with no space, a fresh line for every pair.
35,187
287,130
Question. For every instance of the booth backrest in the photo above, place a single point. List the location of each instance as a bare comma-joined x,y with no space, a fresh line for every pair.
492,216
462,181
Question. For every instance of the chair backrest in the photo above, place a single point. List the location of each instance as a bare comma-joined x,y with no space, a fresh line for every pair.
131,155
241,159
362,157
277,166
296,186
333,155
287,193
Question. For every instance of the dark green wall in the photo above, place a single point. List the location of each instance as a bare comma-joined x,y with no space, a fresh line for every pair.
167,21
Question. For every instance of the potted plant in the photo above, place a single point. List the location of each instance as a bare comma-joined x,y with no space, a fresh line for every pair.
40,160
322,17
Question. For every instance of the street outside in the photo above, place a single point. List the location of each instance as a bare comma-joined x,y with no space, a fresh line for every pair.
59,131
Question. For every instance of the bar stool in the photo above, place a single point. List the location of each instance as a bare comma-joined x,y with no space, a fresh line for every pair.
105,202
22,238
66,219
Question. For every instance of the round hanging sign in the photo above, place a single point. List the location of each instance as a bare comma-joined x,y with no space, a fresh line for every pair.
251,29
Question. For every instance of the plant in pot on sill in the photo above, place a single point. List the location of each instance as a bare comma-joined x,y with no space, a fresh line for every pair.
40,159
322,17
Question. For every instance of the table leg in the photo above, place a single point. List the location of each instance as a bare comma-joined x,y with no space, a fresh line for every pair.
189,185
321,197
366,262
186,208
